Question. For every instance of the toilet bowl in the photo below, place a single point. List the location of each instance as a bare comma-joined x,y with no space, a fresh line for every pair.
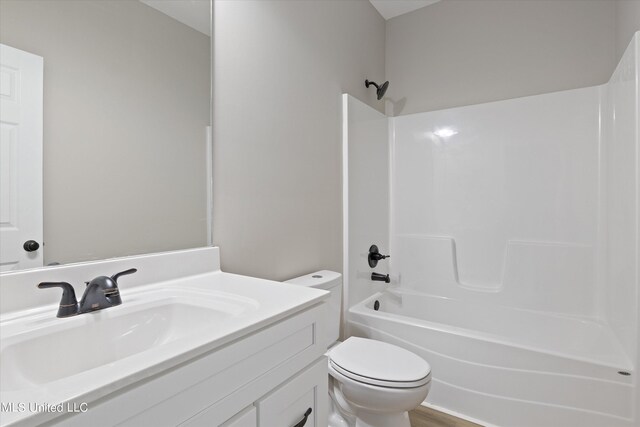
372,383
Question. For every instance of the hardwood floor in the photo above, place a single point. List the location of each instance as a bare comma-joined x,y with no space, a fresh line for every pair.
427,417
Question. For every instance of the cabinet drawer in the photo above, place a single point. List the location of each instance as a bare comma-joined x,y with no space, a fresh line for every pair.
287,404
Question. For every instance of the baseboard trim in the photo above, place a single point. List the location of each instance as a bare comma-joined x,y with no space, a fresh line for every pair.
456,414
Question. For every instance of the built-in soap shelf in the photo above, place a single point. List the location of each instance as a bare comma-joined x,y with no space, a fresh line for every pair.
533,274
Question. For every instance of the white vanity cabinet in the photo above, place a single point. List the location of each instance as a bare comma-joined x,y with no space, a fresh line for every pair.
268,378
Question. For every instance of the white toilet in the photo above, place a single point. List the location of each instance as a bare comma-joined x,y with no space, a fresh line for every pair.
371,383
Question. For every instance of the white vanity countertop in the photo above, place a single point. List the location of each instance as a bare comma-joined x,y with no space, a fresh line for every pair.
157,327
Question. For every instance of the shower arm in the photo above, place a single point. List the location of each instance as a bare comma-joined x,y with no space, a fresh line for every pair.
367,83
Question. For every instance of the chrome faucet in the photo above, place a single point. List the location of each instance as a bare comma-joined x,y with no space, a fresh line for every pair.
101,292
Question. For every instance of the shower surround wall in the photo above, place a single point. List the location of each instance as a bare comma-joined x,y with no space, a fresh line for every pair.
515,254
503,212
620,161
365,163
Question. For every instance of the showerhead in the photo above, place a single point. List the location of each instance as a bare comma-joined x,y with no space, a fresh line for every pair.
380,90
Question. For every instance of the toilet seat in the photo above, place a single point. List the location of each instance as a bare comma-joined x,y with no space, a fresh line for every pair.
378,382
379,364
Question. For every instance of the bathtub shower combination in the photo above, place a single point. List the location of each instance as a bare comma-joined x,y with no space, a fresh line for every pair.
513,233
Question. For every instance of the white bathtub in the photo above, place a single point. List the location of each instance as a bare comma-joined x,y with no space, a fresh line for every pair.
504,366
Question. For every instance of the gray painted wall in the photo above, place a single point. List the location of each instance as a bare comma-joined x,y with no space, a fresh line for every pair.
462,52
126,105
627,23
279,70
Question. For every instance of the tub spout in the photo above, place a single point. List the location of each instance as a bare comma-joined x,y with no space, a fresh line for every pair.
377,277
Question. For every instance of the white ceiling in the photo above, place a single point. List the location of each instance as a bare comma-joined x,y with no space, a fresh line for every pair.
194,13
390,8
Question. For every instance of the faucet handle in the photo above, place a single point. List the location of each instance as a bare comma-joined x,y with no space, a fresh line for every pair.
375,256
123,273
68,303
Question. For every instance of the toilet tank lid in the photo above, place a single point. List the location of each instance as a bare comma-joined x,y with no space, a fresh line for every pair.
324,279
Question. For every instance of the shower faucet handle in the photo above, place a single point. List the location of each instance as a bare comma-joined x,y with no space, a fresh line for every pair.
377,277
375,256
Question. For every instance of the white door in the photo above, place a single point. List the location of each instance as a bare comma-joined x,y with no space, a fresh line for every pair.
20,159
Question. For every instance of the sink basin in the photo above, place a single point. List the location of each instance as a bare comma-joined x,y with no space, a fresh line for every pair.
63,348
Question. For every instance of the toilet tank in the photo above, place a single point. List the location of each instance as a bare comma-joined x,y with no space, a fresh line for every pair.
328,281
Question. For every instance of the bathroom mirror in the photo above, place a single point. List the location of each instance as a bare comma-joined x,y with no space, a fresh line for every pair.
125,110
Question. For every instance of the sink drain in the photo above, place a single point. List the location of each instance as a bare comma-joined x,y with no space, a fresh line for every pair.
376,305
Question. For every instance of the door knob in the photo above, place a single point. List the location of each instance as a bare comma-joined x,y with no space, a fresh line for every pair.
31,246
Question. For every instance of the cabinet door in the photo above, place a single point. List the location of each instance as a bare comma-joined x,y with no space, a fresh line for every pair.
287,405
246,418
210,417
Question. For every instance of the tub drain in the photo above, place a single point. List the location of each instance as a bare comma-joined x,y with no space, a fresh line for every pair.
625,373
376,305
